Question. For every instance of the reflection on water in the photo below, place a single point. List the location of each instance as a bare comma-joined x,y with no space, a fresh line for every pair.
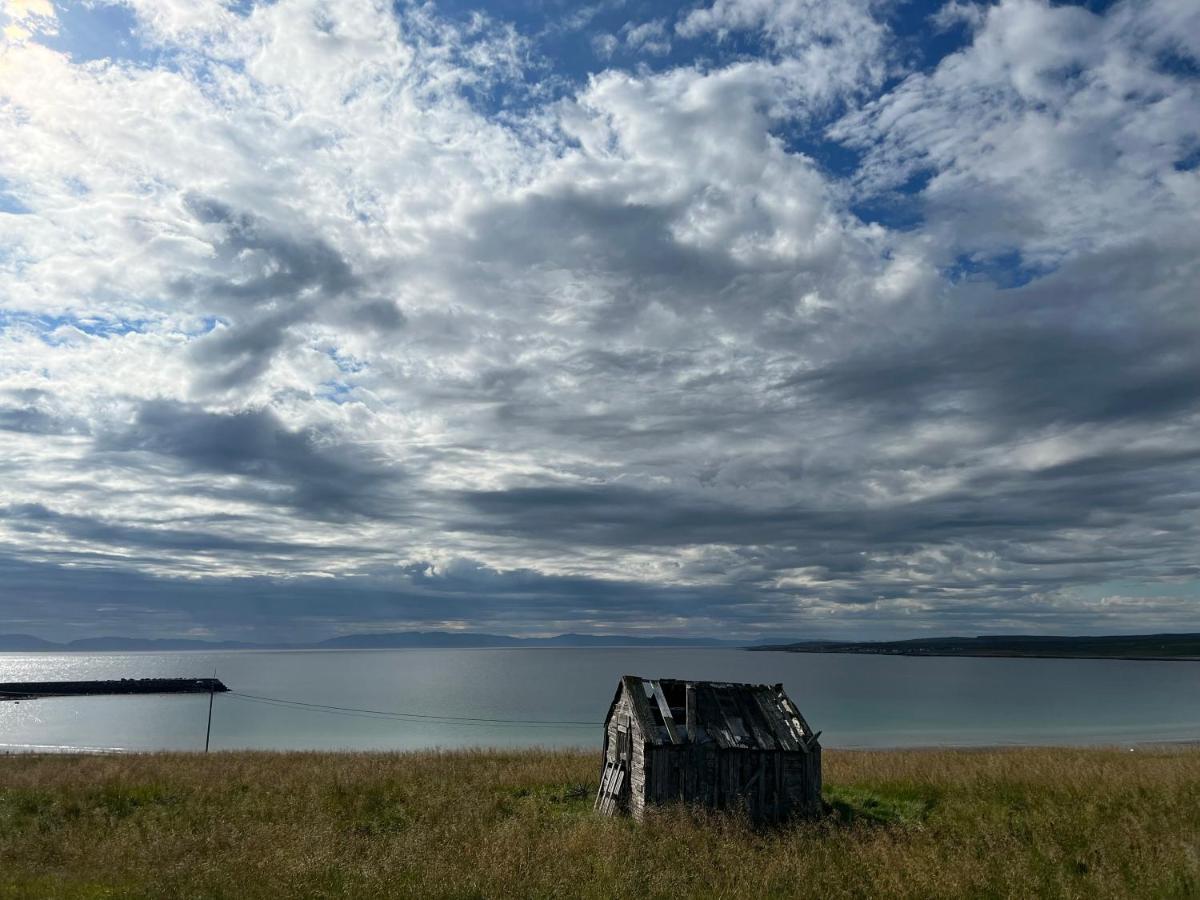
854,700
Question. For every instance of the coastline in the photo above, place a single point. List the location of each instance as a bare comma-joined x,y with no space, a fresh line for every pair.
981,655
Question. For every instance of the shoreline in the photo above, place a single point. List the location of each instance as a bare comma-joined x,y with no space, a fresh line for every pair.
750,648
934,654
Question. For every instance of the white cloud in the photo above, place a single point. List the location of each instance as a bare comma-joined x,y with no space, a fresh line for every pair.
957,12
22,19
842,47
650,37
1052,133
605,45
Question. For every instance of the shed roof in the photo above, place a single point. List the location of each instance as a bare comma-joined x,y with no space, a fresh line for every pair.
730,715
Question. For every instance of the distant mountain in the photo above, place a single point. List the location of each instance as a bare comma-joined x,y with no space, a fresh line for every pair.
1135,646
416,639
101,644
1113,646
402,640
398,640
617,640
26,643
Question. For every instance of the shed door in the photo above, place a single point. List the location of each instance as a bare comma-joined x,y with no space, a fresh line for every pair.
624,745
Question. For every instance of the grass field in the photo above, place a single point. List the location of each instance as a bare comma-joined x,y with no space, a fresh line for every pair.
929,823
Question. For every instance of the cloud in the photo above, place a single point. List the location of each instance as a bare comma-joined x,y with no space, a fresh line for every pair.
321,317
841,48
1045,136
26,18
317,475
268,283
649,37
605,45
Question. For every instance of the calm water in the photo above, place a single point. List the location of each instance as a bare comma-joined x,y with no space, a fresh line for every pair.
855,700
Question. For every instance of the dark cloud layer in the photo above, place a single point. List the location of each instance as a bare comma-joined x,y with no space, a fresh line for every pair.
314,473
269,283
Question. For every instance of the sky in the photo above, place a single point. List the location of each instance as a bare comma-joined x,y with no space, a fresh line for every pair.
741,318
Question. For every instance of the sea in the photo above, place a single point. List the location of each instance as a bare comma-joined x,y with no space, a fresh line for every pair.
558,697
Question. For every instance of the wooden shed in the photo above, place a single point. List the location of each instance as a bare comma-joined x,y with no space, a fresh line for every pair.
720,745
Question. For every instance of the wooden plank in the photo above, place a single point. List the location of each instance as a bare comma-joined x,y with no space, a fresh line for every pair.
751,715
709,711
707,790
788,706
778,787
615,793
605,787
761,812
635,690
665,709
754,778
782,731
612,794
727,711
611,785
696,784
690,705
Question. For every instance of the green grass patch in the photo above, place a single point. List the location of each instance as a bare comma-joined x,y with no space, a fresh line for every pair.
851,804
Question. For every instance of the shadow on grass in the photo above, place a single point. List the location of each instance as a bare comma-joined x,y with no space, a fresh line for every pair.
556,800
858,805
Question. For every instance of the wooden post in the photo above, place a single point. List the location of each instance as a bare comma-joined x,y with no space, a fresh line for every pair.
208,730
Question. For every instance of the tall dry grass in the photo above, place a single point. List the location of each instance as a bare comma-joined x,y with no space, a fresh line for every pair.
940,823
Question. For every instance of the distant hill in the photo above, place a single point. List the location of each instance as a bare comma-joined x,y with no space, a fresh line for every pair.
400,640
1129,646
100,644
1120,646
26,643
416,639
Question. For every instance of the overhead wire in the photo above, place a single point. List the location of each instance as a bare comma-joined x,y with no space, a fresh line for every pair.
408,716
397,715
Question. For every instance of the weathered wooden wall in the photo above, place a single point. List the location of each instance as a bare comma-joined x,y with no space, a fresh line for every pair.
622,716
771,786
802,780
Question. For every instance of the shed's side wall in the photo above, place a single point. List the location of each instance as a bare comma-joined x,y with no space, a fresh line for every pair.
769,785
802,781
622,714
